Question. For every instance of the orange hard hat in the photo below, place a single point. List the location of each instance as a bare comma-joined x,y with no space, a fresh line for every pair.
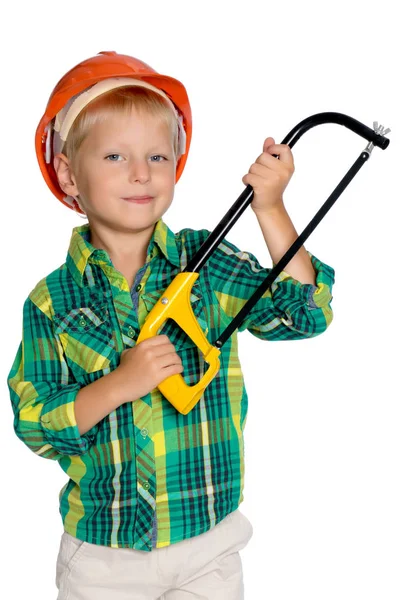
104,65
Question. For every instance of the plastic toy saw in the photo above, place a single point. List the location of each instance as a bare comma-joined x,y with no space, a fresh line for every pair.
174,303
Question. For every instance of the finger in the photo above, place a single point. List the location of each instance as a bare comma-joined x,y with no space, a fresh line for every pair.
271,163
162,338
168,361
253,180
261,170
283,151
171,370
267,143
157,340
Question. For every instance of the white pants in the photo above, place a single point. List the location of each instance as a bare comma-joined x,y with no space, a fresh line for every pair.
205,567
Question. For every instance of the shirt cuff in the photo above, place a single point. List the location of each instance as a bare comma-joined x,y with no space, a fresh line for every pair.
291,291
59,425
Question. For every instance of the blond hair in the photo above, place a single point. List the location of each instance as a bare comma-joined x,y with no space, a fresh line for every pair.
118,101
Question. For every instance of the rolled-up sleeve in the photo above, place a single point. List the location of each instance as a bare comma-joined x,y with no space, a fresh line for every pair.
288,310
42,395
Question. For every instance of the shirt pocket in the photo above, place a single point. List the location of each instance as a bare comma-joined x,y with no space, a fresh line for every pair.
87,338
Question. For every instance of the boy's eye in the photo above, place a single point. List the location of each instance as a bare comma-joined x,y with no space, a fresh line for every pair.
154,156
113,155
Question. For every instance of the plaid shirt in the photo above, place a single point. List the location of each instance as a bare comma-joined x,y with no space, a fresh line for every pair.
147,476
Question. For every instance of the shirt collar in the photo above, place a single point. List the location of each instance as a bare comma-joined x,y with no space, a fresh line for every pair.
81,251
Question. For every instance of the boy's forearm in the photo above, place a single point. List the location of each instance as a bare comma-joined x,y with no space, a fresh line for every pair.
97,399
279,234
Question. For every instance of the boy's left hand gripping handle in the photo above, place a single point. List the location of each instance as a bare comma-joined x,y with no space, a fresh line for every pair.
175,304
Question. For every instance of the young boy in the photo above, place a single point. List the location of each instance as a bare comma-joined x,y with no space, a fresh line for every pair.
150,509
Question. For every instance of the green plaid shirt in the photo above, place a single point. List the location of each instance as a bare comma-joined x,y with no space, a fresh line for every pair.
147,476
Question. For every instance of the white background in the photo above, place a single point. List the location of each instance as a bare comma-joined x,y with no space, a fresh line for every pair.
322,435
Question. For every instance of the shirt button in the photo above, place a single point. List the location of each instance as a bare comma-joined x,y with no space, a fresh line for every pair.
131,331
144,432
288,321
139,287
146,485
82,322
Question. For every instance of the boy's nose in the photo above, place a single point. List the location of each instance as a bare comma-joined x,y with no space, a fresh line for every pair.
140,172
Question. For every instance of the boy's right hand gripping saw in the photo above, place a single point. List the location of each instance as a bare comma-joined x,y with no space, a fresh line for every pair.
174,303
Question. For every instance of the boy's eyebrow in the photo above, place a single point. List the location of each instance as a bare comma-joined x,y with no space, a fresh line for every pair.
164,146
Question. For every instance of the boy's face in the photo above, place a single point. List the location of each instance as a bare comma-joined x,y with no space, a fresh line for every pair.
124,156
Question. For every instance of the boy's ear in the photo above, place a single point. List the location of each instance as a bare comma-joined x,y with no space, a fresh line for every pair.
65,177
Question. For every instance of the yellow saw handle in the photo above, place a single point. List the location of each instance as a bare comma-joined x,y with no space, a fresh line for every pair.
175,304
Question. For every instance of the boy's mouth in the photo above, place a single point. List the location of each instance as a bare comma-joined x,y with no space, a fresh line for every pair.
139,199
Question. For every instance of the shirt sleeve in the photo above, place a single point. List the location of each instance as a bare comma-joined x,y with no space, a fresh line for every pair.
288,310
41,395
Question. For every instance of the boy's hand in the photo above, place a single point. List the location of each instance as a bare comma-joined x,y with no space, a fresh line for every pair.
144,366
269,176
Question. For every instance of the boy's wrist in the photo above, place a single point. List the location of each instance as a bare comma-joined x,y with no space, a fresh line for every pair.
120,392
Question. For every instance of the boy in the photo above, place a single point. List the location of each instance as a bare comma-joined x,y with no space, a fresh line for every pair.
146,482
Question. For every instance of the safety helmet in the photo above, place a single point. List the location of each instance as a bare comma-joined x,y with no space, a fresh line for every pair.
105,65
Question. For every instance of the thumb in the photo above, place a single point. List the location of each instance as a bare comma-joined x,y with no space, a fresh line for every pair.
268,142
